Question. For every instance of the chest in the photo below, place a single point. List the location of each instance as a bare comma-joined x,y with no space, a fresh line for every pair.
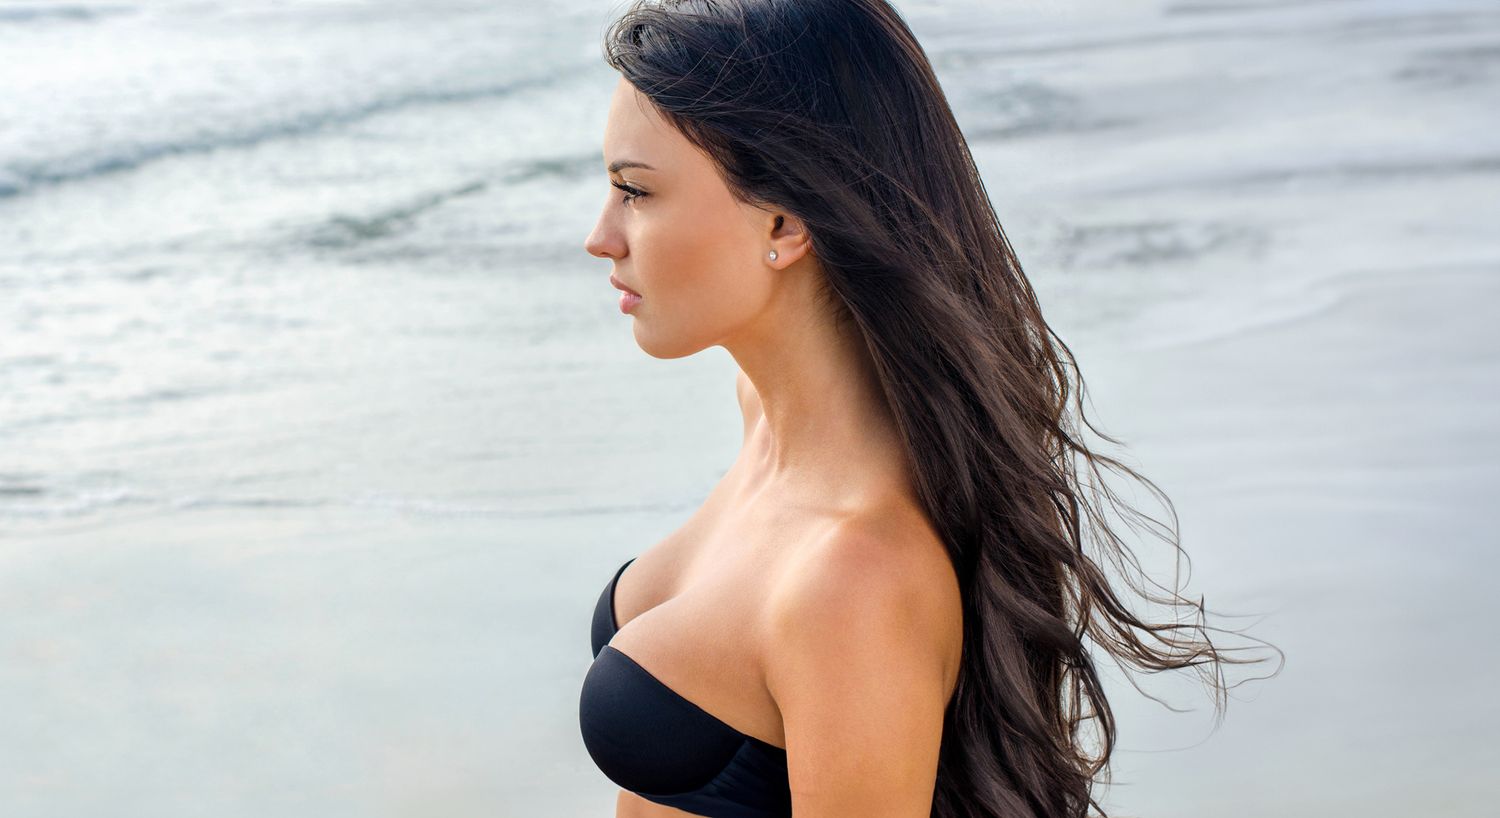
691,610
674,708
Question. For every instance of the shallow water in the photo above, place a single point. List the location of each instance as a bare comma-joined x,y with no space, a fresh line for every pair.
320,433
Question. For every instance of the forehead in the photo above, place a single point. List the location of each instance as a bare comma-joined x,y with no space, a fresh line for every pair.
634,130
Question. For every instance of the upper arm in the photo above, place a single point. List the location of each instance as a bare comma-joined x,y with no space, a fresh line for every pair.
749,401
856,664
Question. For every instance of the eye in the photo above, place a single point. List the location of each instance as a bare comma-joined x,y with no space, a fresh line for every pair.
631,193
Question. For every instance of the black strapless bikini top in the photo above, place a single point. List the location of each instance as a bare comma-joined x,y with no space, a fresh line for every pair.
655,743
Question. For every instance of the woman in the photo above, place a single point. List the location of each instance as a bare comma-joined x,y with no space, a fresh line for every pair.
879,610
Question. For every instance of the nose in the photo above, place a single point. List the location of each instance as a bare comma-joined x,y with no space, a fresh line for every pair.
602,243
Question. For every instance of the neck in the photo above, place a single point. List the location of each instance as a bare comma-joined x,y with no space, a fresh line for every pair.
825,425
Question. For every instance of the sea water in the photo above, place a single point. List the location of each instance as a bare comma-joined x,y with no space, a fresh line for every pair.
320,432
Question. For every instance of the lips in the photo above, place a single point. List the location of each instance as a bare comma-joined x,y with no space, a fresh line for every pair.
620,285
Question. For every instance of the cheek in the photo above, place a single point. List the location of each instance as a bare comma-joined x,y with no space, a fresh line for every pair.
704,294
696,256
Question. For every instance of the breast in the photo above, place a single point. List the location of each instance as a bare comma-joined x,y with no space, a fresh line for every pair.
647,739
650,740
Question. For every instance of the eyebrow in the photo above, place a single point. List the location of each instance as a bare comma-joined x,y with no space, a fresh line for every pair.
616,167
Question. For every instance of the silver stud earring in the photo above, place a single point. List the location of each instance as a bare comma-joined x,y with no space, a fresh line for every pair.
773,255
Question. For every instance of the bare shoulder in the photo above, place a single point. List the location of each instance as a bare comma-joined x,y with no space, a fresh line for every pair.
860,661
889,578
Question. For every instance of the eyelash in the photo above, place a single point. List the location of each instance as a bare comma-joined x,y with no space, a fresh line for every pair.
631,194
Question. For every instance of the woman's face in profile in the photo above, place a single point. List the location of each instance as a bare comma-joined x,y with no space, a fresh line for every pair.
697,256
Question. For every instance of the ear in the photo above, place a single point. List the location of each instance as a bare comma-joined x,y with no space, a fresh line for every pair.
788,236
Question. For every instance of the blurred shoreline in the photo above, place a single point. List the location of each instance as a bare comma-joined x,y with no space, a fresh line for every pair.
320,432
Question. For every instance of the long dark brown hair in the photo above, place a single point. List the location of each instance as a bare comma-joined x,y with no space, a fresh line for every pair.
829,109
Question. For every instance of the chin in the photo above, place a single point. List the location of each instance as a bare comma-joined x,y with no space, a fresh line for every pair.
665,349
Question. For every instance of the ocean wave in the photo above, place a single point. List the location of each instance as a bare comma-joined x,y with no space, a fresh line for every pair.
510,508
20,177
343,230
31,502
21,15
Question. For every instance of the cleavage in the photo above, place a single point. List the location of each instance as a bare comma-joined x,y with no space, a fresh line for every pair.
699,642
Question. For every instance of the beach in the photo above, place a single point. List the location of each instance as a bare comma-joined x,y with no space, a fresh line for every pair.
320,433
